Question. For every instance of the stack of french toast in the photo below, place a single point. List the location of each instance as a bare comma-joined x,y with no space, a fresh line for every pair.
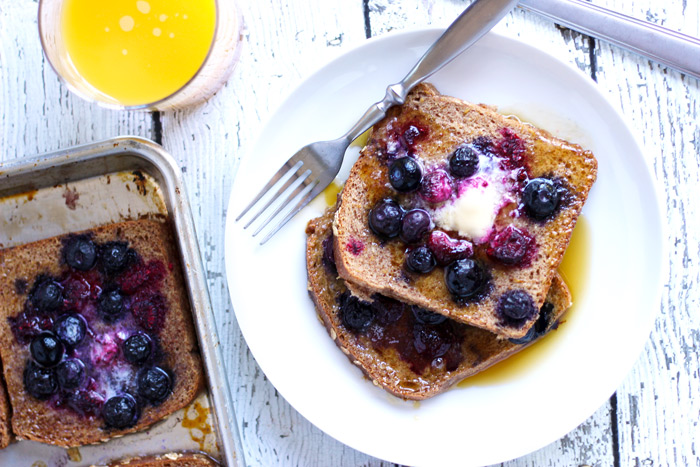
440,256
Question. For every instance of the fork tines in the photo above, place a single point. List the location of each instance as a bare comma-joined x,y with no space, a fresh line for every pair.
295,183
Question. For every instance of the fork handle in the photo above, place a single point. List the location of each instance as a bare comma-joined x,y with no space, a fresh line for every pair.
670,48
479,18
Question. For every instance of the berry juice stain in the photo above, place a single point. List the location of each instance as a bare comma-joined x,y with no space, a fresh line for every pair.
574,268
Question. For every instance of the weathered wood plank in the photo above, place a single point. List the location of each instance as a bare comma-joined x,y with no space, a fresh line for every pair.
38,113
283,42
658,406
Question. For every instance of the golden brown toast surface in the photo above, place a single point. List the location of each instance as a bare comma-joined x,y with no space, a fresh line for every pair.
399,368
378,265
176,346
184,459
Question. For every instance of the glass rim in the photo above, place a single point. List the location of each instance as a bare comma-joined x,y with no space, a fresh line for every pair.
151,106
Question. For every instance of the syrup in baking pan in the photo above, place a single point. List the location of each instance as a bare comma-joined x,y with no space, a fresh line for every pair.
574,270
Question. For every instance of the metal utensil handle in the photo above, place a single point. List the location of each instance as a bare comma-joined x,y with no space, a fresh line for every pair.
670,48
478,19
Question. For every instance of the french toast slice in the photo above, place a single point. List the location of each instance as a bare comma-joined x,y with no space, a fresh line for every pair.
410,352
134,359
490,200
5,416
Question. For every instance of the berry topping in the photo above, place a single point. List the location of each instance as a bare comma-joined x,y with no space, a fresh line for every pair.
328,254
149,311
142,275
120,411
540,327
85,401
111,305
509,246
427,317
405,174
431,342
516,306
436,187
511,149
420,260
464,162
412,133
385,218
137,348
26,327
414,225
465,278
541,198
46,349
155,384
47,294
114,256
355,315
39,382
447,249
80,253
70,329
70,373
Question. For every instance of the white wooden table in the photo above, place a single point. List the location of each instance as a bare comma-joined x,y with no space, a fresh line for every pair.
652,419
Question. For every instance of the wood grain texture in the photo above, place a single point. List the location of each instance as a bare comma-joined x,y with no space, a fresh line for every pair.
658,407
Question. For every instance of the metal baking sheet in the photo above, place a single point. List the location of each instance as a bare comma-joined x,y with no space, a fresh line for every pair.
87,186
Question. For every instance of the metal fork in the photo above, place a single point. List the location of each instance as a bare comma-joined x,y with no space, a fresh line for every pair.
313,167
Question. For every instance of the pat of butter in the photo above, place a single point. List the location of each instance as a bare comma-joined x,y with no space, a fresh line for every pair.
473,213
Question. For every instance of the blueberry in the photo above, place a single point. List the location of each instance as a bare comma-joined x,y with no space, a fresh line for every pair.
70,373
414,225
385,218
516,305
541,198
464,162
465,278
354,314
405,174
46,349
39,382
420,260
70,329
436,187
120,411
47,295
111,304
80,253
427,317
431,342
155,384
137,348
509,246
114,256
540,327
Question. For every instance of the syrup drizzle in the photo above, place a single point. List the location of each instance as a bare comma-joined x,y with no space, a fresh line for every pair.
574,268
196,420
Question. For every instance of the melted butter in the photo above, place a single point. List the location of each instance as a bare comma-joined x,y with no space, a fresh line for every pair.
574,270
74,454
27,195
196,420
39,464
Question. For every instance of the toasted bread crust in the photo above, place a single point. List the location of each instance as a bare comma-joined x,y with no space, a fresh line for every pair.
5,416
480,349
451,122
36,420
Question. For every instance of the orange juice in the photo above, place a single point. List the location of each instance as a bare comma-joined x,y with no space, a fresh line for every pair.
136,52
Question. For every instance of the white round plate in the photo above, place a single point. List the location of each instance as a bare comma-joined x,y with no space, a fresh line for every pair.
478,424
